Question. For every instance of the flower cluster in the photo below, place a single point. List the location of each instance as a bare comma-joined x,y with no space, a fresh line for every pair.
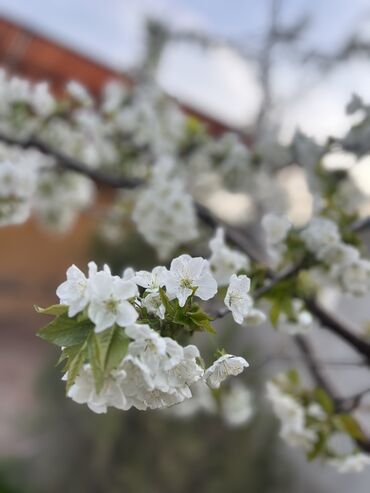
310,421
155,373
164,212
322,238
118,335
17,185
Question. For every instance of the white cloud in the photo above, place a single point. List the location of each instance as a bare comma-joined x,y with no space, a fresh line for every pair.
214,80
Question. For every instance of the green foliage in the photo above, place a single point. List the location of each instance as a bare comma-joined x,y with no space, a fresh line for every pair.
324,399
349,424
191,317
52,310
80,343
65,331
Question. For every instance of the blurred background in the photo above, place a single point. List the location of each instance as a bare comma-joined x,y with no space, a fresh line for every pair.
236,65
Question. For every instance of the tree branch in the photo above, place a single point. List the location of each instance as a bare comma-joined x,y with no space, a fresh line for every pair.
71,164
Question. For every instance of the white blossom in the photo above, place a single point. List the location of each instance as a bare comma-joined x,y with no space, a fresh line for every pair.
74,292
320,233
109,303
171,369
83,391
153,303
151,281
79,92
188,276
237,298
224,367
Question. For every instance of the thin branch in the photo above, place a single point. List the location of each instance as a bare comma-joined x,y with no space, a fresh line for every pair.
340,403
71,164
307,353
332,324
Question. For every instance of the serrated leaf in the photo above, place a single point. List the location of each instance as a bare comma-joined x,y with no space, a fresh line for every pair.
117,349
349,424
104,339
75,365
52,310
208,327
166,302
95,362
65,331
180,318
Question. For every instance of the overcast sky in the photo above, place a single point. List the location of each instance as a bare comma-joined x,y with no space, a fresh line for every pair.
218,81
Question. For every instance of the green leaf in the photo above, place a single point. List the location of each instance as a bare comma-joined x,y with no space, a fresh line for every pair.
169,308
95,360
275,311
324,399
204,324
52,310
293,377
350,425
117,349
318,447
75,364
65,331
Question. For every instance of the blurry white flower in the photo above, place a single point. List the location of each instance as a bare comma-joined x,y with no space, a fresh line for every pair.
338,254
351,463
128,274
79,92
237,405
225,366
316,411
202,401
355,277
42,100
320,233
188,276
255,317
292,418
275,227
224,261
164,213
301,323
17,185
